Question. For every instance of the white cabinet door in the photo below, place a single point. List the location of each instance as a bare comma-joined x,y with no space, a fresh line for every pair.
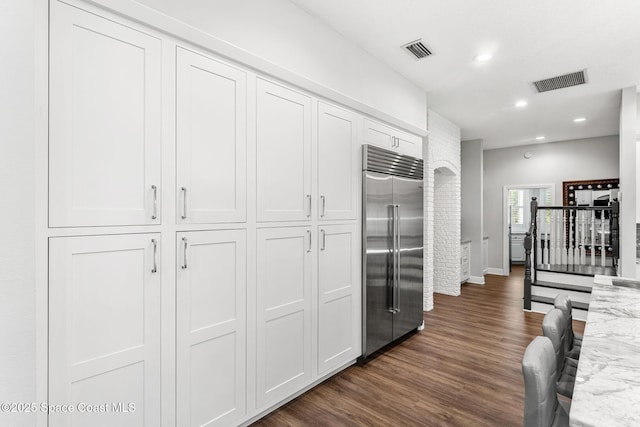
378,134
338,162
105,123
392,139
104,330
283,153
211,327
211,125
409,144
283,312
338,296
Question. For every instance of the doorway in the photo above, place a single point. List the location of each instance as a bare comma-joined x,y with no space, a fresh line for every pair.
516,218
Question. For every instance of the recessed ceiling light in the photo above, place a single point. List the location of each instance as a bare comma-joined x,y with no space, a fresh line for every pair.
521,104
580,119
541,137
483,57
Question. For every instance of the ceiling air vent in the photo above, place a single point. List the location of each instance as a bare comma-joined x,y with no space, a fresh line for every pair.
559,82
417,49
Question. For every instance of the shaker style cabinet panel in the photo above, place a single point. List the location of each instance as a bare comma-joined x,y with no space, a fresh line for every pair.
338,162
211,127
392,139
283,312
211,327
105,122
338,296
104,329
283,152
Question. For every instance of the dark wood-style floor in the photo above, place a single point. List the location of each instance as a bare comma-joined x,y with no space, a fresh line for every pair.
462,370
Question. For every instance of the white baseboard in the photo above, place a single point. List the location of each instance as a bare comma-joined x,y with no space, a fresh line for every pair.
476,280
496,271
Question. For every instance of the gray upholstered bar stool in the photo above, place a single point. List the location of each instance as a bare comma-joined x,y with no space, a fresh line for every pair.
554,328
574,341
541,405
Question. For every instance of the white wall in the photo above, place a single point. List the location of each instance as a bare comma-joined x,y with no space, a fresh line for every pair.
282,33
442,240
628,129
593,158
17,280
472,204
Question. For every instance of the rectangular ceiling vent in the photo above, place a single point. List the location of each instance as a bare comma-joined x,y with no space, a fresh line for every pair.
560,82
417,49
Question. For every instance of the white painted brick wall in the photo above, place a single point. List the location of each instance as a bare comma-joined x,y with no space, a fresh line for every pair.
441,209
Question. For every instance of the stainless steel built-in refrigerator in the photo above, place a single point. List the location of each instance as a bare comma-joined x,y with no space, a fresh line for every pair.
392,246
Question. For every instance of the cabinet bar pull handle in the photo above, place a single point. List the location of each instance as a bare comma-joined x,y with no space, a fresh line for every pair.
155,256
309,234
397,290
184,264
324,241
323,201
154,215
308,205
184,202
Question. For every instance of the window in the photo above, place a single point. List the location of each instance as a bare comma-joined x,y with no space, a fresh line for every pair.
516,205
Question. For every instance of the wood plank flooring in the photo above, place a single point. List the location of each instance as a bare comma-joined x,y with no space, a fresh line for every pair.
462,370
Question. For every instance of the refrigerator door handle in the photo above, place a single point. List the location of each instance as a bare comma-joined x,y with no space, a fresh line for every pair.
396,267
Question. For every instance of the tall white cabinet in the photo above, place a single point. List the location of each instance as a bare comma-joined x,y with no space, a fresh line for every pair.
203,229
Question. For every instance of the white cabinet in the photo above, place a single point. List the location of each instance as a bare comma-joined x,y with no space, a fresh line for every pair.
392,139
105,123
517,247
211,110
284,268
465,261
338,296
283,150
211,327
104,329
338,148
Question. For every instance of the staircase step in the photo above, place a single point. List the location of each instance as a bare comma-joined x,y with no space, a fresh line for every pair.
563,278
567,286
543,307
548,300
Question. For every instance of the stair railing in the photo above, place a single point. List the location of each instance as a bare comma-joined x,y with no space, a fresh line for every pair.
529,243
570,239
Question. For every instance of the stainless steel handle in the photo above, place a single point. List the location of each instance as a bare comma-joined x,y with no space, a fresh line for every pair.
393,142
308,205
184,261
184,202
154,215
154,242
324,241
394,220
309,234
397,266
323,202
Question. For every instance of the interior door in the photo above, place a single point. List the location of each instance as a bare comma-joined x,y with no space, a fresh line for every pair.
211,140
378,261
105,122
408,195
211,327
104,330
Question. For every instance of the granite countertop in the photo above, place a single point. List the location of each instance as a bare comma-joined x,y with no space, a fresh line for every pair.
607,390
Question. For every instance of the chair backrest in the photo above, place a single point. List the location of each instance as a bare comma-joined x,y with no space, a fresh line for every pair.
554,328
539,371
563,302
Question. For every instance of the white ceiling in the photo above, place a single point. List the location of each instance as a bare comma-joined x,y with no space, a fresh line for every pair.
529,39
